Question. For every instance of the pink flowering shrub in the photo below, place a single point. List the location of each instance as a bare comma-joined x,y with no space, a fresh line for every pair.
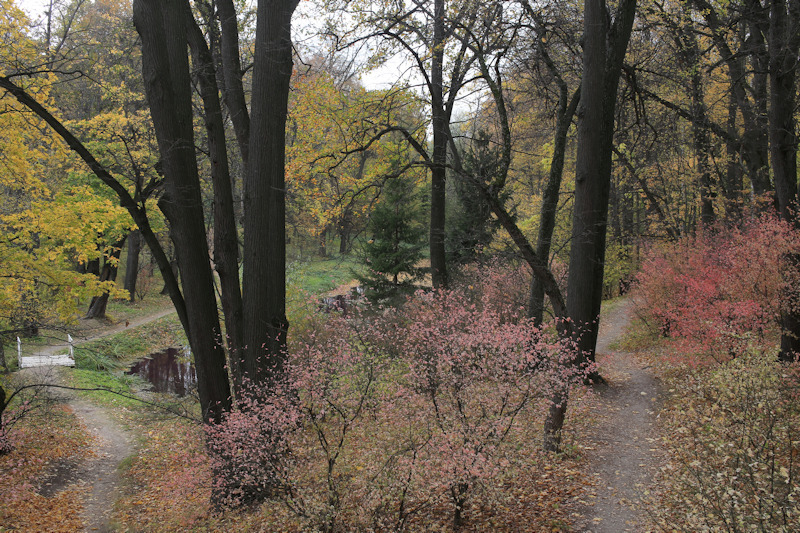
476,372
395,412
249,448
719,292
341,377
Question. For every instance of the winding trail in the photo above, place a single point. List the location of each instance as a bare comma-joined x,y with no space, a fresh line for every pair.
98,474
112,443
623,453
103,331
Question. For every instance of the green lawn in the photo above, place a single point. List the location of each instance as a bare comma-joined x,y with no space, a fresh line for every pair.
321,275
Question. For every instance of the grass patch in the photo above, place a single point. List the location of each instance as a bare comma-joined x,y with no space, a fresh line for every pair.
609,306
125,309
324,275
90,379
108,353
638,336
116,351
125,397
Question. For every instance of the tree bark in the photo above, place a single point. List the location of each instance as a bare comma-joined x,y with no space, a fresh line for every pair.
97,307
783,51
537,263
734,182
264,271
91,267
232,74
547,218
700,134
5,446
754,141
173,266
165,64
132,263
565,112
226,239
604,50
345,226
440,139
784,43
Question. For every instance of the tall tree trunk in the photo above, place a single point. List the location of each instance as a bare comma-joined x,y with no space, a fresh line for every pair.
734,182
565,112
754,141
547,219
345,227
165,64
604,51
264,272
700,134
783,96
601,70
439,167
755,46
232,74
132,263
90,267
5,445
97,307
226,239
784,42
166,290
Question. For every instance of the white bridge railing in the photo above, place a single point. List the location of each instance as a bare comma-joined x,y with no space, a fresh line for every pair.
45,359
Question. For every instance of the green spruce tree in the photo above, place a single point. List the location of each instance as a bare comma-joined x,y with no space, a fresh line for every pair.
396,244
470,226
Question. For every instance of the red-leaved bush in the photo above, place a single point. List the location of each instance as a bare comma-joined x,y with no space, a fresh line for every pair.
722,291
249,449
394,411
504,285
475,371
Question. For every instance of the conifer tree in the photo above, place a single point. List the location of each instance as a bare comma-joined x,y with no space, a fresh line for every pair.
470,225
397,241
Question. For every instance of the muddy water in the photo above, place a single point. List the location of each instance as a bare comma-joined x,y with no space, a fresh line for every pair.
168,371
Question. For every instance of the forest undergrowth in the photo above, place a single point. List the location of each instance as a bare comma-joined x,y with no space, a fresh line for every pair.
709,313
425,418
384,442
44,439
417,419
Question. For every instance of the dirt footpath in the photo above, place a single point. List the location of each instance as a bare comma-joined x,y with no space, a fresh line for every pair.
112,443
623,453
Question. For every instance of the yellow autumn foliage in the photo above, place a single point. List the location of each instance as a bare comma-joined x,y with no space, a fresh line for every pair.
332,178
51,219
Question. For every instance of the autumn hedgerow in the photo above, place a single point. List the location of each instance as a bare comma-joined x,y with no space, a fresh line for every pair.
719,293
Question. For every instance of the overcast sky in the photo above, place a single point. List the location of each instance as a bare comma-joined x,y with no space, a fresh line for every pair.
35,8
378,79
